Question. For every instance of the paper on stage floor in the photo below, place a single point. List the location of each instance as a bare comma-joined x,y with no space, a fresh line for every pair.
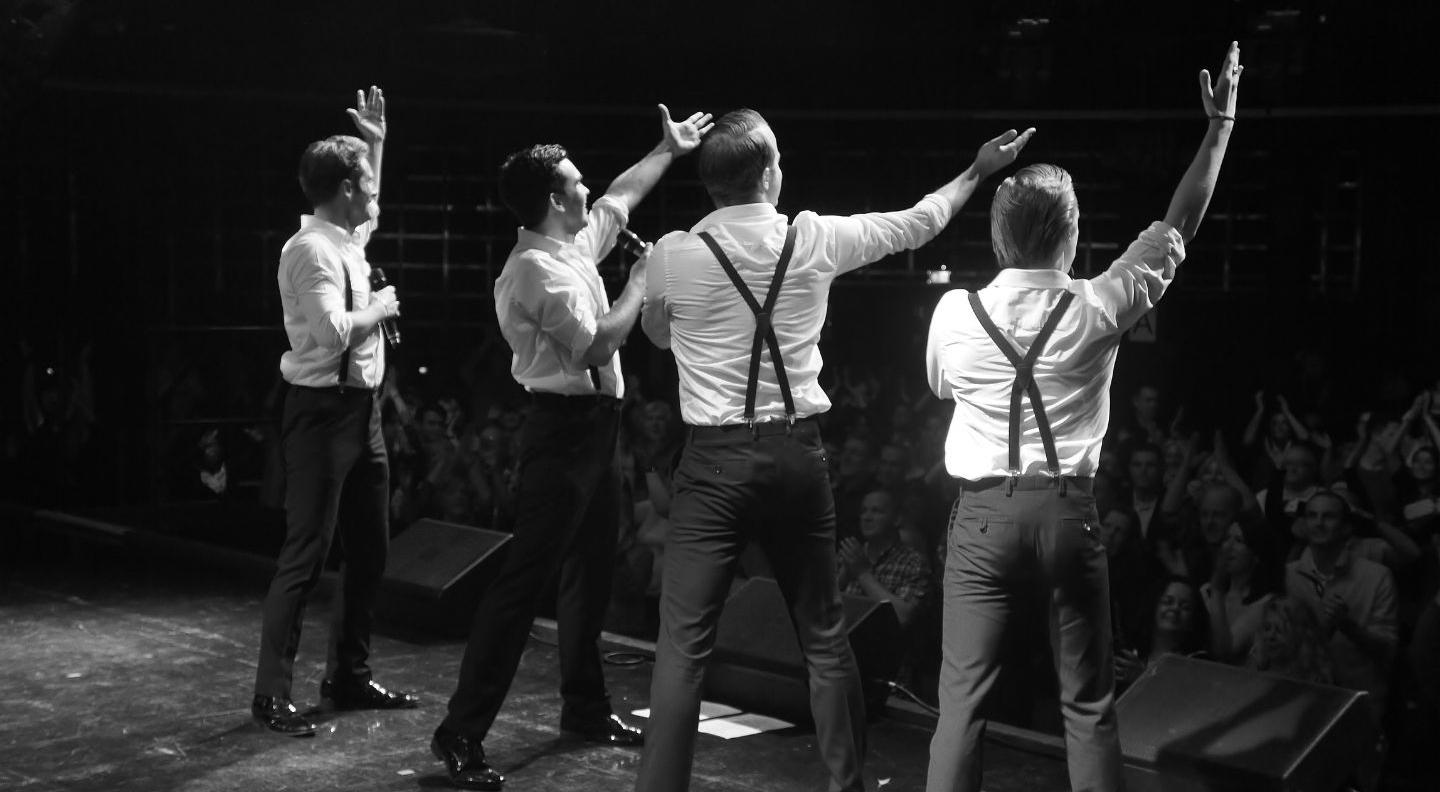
708,710
742,725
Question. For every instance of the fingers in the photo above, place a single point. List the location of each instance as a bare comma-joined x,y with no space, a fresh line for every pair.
379,103
1005,137
1023,138
664,114
354,114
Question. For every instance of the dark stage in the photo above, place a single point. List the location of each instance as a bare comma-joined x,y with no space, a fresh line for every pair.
123,670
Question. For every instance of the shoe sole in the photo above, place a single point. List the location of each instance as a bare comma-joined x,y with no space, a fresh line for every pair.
307,733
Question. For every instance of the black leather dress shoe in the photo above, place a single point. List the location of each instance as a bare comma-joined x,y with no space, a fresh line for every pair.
279,715
610,731
465,761
367,696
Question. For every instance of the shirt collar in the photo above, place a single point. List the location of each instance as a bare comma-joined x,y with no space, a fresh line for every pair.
312,222
1016,278
525,239
738,212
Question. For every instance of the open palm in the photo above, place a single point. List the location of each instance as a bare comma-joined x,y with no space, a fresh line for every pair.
369,114
683,137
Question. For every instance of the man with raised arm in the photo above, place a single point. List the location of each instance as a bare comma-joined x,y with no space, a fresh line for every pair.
1026,515
565,337
336,470
740,299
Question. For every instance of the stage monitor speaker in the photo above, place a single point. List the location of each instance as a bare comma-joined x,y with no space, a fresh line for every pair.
1190,725
435,576
757,664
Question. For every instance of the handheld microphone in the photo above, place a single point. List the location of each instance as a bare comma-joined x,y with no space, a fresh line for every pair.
630,243
389,327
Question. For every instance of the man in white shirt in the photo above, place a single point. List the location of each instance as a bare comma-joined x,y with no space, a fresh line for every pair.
1026,513
565,337
335,460
747,280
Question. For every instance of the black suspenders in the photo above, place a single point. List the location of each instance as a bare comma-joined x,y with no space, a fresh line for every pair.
349,306
764,329
1025,381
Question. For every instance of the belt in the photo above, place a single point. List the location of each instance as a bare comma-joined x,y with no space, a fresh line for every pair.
572,401
1040,481
758,429
333,388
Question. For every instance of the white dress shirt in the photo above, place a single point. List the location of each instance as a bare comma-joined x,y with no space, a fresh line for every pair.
312,296
693,308
548,300
1073,371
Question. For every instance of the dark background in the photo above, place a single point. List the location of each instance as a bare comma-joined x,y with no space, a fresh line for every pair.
148,149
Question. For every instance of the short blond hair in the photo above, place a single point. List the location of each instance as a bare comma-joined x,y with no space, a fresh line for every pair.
1033,215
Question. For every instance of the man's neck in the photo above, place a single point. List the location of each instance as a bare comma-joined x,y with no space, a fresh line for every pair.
335,216
553,228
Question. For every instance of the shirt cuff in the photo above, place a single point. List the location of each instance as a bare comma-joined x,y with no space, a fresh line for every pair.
581,340
938,204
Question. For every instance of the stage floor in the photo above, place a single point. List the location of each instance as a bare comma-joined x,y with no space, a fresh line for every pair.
123,672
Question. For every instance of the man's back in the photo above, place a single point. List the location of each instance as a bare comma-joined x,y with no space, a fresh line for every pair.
711,328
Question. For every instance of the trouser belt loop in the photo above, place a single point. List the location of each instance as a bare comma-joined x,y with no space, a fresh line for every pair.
1062,484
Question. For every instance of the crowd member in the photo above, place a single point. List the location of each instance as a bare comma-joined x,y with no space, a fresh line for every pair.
1290,643
1249,573
1145,470
1130,573
1281,430
1177,626
878,565
1353,599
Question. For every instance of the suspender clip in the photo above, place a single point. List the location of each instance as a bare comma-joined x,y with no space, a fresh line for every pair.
1010,482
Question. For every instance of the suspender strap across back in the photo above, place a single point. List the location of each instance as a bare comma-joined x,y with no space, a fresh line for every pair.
595,378
349,306
764,327
1025,380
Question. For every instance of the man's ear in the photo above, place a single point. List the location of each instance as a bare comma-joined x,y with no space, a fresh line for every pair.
556,203
765,179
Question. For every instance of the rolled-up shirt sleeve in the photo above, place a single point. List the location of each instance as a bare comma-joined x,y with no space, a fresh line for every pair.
1138,279
607,216
555,303
861,239
318,282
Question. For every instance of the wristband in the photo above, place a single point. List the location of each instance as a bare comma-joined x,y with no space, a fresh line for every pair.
1222,117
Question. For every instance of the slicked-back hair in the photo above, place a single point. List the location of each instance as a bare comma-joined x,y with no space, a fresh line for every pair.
734,156
527,177
1033,215
327,163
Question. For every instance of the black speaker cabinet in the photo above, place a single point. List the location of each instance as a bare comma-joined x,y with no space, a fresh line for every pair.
757,665
435,576
1189,725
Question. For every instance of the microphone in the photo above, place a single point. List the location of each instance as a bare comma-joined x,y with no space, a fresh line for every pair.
630,243
389,327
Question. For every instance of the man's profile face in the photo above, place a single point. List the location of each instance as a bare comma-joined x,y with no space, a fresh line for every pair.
573,197
364,202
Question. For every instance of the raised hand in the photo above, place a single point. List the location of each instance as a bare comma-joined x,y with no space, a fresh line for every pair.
1220,98
369,114
1000,151
683,137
